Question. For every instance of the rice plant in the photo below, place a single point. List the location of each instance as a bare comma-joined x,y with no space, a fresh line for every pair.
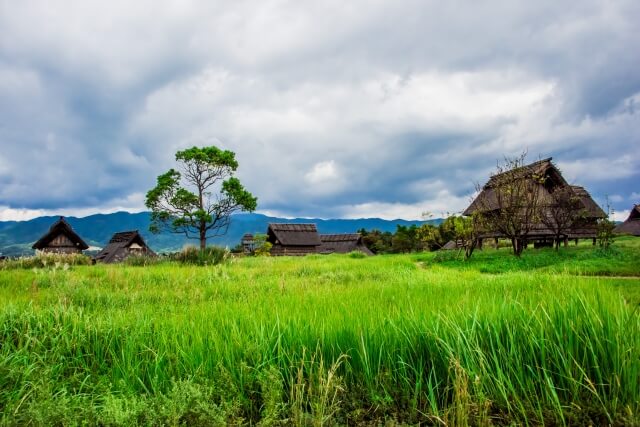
316,341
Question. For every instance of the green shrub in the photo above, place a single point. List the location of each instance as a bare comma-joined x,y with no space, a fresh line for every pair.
357,254
141,260
46,260
211,255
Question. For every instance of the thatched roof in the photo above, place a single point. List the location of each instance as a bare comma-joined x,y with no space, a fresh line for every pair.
247,237
61,226
543,167
592,208
118,247
487,200
293,234
632,224
342,244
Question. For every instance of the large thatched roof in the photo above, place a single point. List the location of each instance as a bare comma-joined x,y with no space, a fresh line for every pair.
632,224
118,247
294,234
487,200
590,206
61,226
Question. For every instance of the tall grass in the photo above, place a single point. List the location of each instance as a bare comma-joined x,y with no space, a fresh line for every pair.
315,341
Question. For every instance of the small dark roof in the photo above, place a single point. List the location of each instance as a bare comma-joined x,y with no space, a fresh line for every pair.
61,226
113,251
294,234
339,237
632,224
124,236
342,243
450,245
247,236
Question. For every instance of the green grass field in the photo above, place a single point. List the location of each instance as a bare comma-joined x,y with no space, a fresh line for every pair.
552,338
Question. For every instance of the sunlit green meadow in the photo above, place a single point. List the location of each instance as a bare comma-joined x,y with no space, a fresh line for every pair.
326,340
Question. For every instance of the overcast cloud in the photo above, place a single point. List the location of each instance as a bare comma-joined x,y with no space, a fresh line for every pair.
334,109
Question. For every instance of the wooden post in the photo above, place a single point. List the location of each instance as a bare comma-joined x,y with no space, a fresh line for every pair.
576,242
594,241
566,242
496,240
479,244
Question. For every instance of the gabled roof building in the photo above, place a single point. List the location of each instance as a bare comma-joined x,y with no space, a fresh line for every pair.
548,180
123,245
61,239
304,239
293,239
342,244
632,224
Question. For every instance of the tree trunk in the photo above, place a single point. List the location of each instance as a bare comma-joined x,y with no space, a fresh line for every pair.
518,246
203,236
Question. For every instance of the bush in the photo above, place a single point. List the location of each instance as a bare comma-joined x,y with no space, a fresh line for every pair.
211,255
46,260
141,260
357,254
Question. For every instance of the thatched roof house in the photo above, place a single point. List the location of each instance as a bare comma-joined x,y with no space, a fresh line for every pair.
303,239
549,179
293,239
61,239
342,244
632,224
122,245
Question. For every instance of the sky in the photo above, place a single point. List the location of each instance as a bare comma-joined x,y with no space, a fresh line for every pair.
334,109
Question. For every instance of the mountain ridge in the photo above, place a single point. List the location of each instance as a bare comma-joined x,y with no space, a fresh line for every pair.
16,237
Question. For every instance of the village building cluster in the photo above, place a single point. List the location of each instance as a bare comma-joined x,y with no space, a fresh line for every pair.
304,239
62,239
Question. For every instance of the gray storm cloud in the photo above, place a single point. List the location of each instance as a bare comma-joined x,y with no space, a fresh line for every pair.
334,109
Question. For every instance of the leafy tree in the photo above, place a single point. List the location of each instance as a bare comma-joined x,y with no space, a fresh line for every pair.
431,236
377,241
262,246
198,202
466,231
406,239
605,228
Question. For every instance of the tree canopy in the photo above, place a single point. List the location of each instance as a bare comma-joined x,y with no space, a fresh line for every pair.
198,201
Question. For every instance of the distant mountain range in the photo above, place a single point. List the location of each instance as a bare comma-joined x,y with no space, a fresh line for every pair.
16,237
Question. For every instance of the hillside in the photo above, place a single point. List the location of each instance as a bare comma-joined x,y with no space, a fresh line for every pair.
16,237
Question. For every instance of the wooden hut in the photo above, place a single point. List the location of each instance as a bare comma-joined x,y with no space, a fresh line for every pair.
248,243
342,244
632,224
548,179
293,239
60,239
123,245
